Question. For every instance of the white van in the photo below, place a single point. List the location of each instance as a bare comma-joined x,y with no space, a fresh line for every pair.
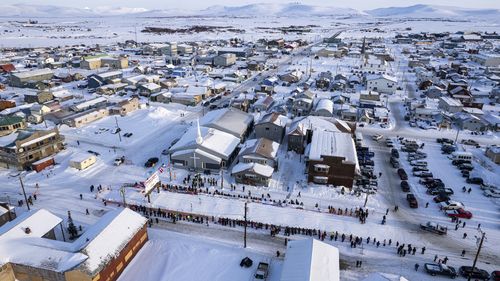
465,156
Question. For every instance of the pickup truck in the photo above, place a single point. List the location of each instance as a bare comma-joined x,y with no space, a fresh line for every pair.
262,271
439,190
440,269
434,227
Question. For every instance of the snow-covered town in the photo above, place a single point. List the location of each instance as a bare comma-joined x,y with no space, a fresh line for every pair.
277,141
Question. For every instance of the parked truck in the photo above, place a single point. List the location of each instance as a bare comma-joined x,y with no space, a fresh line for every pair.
262,271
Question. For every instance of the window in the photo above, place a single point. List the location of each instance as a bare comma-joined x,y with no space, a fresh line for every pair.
320,168
322,180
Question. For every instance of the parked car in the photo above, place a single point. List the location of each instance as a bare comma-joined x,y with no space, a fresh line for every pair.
151,162
440,269
459,213
402,174
394,153
495,275
412,200
377,137
389,143
439,190
457,162
118,161
405,186
441,198
164,152
419,169
491,193
475,180
262,271
477,273
423,174
470,142
448,149
434,184
445,140
434,227
93,152
466,167
419,163
451,205
465,173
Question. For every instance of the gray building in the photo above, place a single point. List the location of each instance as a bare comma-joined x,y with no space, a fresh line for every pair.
272,126
29,78
225,60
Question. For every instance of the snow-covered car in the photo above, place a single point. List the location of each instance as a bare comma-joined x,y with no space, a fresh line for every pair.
440,269
423,174
377,137
434,227
438,190
491,193
451,205
460,213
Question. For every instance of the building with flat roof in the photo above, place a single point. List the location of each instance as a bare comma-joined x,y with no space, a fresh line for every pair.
332,158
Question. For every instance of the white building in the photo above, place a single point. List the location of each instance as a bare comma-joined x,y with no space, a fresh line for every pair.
310,260
382,83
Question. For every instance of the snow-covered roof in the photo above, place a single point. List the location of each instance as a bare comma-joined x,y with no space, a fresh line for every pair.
20,246
325,104
275,118
263,147
310,260
109,236
39,222
221,143
229,120
263,170
382,76
31,73
90,251
328,143
89,103
80,157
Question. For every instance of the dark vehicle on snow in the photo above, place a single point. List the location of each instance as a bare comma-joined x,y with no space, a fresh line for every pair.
477,273
440,269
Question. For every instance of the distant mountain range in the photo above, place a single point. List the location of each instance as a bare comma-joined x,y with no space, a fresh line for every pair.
433,11
264,9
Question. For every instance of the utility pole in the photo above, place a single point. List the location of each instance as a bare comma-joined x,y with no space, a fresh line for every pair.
245,227
24,192
366,200
222,178
118,129
122,192
477,253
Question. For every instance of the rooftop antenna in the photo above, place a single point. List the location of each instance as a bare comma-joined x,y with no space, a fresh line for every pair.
199,138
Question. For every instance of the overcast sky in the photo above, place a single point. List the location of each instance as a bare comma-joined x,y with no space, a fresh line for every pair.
199,4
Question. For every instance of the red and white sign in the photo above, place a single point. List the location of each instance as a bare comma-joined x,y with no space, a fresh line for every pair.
151,182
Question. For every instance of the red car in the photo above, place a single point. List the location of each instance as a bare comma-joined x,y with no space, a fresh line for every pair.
495,275
459,213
